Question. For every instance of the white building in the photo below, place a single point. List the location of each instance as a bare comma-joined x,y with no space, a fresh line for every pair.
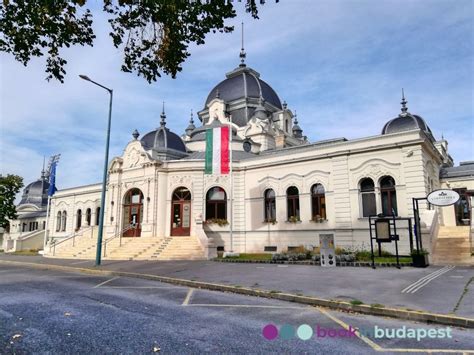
286,191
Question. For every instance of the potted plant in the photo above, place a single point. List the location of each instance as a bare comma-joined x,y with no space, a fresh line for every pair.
317,219
294,219
219,221
420,258
270,220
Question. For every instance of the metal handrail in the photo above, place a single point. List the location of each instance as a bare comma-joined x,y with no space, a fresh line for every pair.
105,242
73,237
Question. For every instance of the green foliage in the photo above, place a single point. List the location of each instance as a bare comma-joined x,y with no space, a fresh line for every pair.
10,185
256,256
270,221
421,252
153,34
219,221
356,302
294,219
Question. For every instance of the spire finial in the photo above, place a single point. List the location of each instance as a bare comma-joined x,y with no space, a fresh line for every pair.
43,172
296,117
163,116
404,103
242,54
285,105
191,120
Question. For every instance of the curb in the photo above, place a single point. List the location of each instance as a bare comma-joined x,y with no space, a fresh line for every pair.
419,316
312,262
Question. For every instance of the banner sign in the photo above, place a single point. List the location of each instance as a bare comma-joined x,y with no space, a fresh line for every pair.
443,197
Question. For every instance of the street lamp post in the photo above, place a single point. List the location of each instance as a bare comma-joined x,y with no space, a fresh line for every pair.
104,179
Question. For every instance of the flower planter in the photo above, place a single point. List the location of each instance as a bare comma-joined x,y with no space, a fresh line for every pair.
420,260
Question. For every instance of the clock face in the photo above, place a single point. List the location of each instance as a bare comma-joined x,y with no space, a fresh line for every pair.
247,146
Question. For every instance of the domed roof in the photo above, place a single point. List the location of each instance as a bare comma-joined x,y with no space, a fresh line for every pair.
244,83
36,193
406,122
162,139
199,134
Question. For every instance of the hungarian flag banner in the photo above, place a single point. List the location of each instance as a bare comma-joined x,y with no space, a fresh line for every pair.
217,151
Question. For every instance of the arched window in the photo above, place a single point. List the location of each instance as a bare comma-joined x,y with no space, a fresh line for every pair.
58,222
270,205
216,204
389,196
318,202
293,203
88,216
79,219
64,221
97,216
367,193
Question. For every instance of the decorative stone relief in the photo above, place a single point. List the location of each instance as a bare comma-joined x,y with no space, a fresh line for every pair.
179,180
216,180
375,169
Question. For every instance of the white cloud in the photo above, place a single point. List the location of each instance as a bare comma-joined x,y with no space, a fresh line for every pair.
338,62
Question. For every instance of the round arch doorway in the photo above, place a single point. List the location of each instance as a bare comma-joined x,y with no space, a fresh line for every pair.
132,213
181,212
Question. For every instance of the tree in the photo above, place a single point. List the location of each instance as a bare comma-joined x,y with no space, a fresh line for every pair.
10,185
154,34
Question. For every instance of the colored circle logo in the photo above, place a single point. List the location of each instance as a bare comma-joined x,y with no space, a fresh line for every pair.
287,332
270,332
305,332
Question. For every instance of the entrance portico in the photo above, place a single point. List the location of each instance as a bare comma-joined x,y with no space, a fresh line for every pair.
181,212
132,213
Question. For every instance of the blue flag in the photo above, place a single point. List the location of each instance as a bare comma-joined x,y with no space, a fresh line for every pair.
52,180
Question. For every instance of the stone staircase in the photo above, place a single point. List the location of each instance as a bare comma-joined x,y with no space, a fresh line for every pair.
452,247
132,248
140,248
180,248
152,248
82,247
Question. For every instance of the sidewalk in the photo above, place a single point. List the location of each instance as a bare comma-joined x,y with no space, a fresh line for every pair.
446,292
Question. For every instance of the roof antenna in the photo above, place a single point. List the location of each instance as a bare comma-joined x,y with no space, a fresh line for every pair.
242,50
163,116
404,103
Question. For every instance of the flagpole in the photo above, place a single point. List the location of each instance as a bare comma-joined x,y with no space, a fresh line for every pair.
231,190
47,223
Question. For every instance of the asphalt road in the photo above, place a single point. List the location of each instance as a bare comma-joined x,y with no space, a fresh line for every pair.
51,312
445,291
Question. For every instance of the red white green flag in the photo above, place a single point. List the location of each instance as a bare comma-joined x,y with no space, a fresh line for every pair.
217,151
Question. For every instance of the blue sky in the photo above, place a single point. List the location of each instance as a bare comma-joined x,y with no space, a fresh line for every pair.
340,64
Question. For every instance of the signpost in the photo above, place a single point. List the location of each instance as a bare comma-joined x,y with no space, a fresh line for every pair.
385,230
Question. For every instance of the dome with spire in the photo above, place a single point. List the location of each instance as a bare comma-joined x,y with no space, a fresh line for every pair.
191,127
36,193
242,91
406,122
244,83
164,141
297,131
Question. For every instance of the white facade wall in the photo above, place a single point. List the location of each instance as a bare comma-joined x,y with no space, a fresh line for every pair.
408,157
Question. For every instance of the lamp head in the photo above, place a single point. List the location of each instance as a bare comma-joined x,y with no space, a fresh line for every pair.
85,77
